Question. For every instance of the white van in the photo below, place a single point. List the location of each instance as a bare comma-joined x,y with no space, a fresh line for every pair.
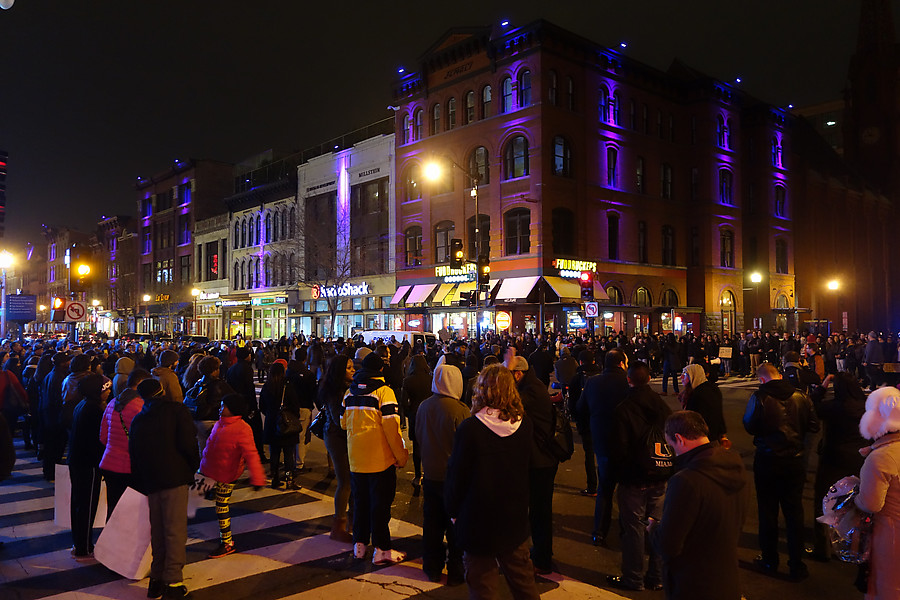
411,336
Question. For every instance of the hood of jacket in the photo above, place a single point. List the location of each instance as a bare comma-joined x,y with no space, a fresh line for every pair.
721,466
366,381
696,374
490,417
124,366
125,397
778,388
447,381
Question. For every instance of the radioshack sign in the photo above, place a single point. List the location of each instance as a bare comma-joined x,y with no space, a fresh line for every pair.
343,291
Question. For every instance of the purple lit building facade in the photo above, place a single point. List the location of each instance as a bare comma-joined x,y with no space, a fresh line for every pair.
670,187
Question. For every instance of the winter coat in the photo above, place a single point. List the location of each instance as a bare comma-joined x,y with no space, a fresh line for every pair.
85,449
437,419
116,423
703,514
601,395
270,405
163,446
372,422
416,386
778,416
124,367
230,447
71,397
879,493
538,406
632,419
170,384
10,378
51,397
706,399
240,378
578,410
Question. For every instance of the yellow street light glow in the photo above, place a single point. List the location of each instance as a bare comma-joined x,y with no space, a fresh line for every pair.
146,297
195,292
755,277
833,284
95,303
42,307
6,259
432,171
83,270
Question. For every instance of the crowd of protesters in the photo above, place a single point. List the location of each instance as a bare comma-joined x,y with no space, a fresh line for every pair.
93,405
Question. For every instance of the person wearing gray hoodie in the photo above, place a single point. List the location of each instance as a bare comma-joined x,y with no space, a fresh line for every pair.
436,421
124,366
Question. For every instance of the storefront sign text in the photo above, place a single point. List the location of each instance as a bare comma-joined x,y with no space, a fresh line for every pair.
236,303
573,268
264,301
208,295
162,297
348,289
369,172
467,273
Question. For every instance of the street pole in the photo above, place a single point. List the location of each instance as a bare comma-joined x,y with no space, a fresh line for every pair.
477,255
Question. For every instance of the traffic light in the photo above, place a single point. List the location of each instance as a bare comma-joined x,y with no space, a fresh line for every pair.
484,270
587,285
457,256
465,298
58,309
81,266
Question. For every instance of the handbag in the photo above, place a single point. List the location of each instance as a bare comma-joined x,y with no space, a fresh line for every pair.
317,427
288,421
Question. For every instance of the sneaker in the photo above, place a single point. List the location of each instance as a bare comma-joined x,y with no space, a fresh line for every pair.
155,588
359,550
173,592
222,550
387,557
85,558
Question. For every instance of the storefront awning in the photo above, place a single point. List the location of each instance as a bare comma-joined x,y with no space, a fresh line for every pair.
516,288
442,292
467,286
564,288
419,293
400,293
599,292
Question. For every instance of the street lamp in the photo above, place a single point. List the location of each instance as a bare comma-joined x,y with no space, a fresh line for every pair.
434,171
756,278
834,284
146,299
195,292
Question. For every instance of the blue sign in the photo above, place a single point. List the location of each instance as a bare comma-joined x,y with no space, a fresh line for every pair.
21,307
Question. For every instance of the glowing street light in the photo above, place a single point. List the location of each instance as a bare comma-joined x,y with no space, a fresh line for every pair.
146,298
755,277
834,284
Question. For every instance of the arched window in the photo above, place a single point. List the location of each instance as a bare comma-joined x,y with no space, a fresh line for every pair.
642,297
237,238
418,125
603,105
552,91
563,232
267,271
470,107
405,130
256,271
478,165
729,128
413,236
243,233
506,95
524,98
486,102
443,232
721,132
435,119
669,298
726,249
243,280
268,227
612,167
779,201
484,236
257,229
517,226
776,152
237,276
275,223
250,274
616,106
515,158
639,175
284,228
782,302
612,235
451,113
293,224
413,189
727,301
291,279
562,157
668,245
616,297
726,186
781,256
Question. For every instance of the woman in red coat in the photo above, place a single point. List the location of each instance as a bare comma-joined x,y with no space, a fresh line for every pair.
230,447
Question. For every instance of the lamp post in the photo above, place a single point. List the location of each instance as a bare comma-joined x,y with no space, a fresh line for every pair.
834,285
195,292
6,261
756,278
433,172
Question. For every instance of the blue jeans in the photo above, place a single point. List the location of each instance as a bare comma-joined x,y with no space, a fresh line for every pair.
636,503
669,371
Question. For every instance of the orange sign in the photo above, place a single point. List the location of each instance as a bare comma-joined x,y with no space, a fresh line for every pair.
503,321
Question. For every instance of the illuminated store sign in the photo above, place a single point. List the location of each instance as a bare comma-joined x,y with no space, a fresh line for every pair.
467,273
264,301
236,303
348,289
573,268
208,295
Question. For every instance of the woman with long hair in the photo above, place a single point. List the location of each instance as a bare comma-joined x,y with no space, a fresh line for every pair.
487,491
192,372
332,388
276,393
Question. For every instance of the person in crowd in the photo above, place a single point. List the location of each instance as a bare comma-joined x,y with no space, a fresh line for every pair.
304,382
602,394
417,385
544,465
165,373
873,361
192,371
85,451
640,491
581,414
486,488
542,359
240,378
124,367
437,420
376,449
79,368
703,514
279,394
334,385
12,376
779,417
164,454
229,449
800,375
204,398
53,432
671,363
879,490
115,465
703,396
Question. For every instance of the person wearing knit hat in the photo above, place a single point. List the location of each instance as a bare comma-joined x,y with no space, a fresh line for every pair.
85,451
165,373
879,489
361,353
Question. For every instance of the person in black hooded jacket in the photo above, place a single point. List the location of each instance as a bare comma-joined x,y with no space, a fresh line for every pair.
779,417
586,368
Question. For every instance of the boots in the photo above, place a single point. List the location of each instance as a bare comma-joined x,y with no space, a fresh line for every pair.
339,531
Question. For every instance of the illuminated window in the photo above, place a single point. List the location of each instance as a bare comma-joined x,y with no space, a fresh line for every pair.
443,232
612,167
413,237
515,158
517,226
524,98
486,102
507,95
413,189
642,297
562,157
479,166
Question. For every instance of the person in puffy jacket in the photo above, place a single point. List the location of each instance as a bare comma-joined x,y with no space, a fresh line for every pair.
165,372
115,466
124,366
229,448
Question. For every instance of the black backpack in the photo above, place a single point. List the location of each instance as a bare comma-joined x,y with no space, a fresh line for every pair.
562,443
656,455
199,401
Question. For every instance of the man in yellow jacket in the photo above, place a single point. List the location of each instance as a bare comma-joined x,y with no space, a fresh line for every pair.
376,449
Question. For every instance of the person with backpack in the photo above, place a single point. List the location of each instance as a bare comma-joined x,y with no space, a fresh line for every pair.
643,462
204,398
277,396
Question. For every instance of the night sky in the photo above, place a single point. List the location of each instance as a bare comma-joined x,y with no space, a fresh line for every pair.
95,93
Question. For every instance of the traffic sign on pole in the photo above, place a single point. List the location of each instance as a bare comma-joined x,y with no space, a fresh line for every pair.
75,311
591,309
